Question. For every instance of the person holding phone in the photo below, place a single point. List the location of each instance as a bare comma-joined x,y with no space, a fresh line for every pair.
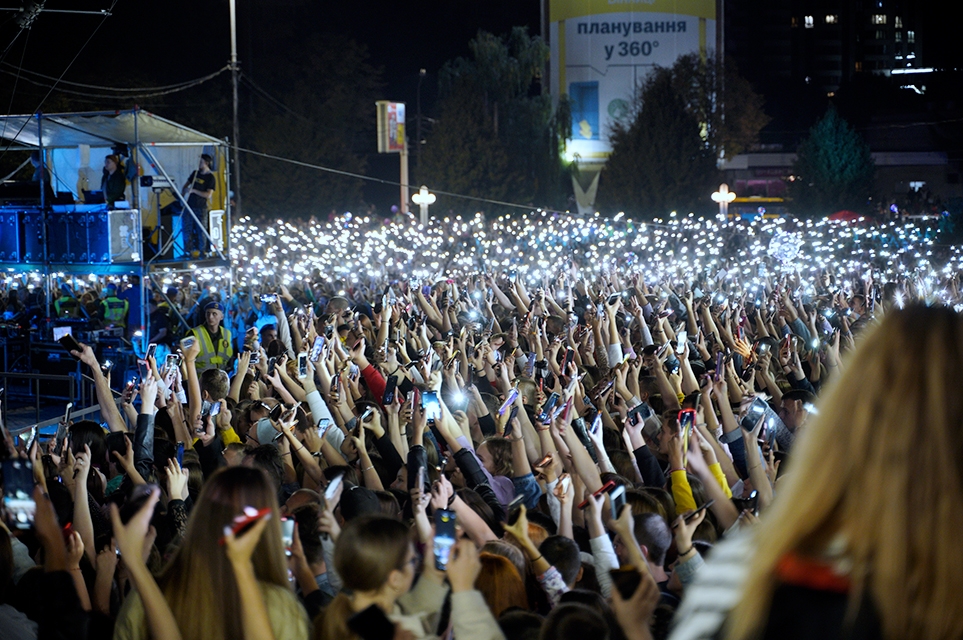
207,583
869,515
377,563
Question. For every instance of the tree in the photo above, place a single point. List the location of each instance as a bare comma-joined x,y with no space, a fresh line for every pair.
729,112
659,162
834,169
496,135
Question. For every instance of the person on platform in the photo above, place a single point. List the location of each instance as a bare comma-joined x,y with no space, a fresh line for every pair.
113,182
215,341
113,309
40,171
66,306
198,190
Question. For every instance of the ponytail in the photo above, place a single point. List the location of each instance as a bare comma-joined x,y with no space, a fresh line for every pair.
332,622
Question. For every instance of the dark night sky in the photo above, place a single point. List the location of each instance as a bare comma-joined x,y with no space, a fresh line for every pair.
177,40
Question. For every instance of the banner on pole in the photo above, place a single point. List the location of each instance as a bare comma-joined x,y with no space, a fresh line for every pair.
391,126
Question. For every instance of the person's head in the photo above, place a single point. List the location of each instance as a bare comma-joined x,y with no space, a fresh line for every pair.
205,163
111,163
796,407
199,583
509,551
269,333
234,454
267,458
35,158
357,501
213,314
654,537
574,621
215,385
500,584
858,304
520,625
375,558
299,499
887,485
496,455
563,554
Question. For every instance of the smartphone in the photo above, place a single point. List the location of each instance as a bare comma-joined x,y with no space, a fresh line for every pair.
331,489
756,411
508,425
544,462
323,425
316,348
302,365
173,361
287,534
139,496
255,357
431,406
750,504
687,419
617,500
188,342
70,343
627,580
681,339
663,349
596,424
245,521
689,516
180,454
269,298
514,509
272,362
547,409
569,358
581,432
613,298
372,624
420,477
216,408
509,401
720,365
367,412
608,486
18,493
444,537
151,350
564,482
390,384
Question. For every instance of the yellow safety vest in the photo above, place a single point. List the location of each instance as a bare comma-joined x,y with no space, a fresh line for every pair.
67,307
212,356
115,311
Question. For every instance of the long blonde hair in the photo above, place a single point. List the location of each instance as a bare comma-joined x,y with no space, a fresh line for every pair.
199,583
880,467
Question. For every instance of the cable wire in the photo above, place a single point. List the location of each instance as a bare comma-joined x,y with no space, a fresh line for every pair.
267,96
120,89
13,93
103,96
349,174
70,64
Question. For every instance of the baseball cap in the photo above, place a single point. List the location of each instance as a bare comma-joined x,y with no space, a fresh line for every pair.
358,501
214,305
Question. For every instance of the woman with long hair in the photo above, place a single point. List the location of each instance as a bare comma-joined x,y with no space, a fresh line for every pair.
199,582
500,584
376,561
862,540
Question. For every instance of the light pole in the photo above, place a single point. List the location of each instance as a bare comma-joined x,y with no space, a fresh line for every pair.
723,196
423,199
421,76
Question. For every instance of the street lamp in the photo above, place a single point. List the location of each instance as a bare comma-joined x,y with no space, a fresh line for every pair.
423,199
723,196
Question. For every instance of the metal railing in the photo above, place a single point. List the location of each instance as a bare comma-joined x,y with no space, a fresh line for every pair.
55,421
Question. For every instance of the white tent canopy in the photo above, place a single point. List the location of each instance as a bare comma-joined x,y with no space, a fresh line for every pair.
98,129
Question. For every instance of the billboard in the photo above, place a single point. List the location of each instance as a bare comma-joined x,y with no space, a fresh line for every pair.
391,126
601,50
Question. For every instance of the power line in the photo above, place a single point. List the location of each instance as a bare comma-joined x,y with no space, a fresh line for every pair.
267,96
103,96
118,89
13,93
349,174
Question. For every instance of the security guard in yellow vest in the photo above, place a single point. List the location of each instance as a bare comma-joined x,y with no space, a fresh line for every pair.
216,347
113,309
66,306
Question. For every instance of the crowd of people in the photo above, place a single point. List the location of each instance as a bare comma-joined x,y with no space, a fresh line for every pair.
557,449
